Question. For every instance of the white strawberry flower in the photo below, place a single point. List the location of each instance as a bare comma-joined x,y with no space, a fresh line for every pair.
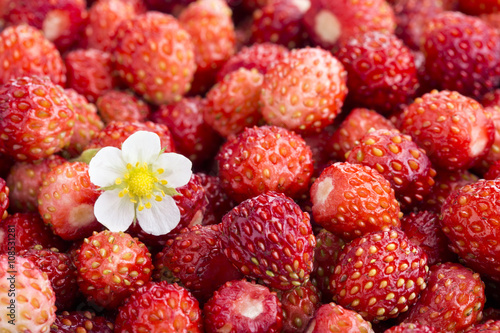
138,182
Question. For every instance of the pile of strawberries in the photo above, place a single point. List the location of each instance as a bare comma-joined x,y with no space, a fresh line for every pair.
345,157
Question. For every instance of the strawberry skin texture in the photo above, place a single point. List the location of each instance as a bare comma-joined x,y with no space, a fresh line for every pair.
453,300
411,328
36,112
351,200
81,322
266,158
469,217
162,69
379,275
331,317
299,306
269,237
305,91
117,105
454,130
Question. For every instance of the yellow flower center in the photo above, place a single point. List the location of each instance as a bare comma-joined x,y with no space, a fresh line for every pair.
141,182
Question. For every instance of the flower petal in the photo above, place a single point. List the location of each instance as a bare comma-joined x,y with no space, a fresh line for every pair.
141,146
106,166
115,213
161,218
177,169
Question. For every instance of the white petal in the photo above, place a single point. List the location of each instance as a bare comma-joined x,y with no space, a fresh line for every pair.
161,218
115,213
177,169
141,146
106,166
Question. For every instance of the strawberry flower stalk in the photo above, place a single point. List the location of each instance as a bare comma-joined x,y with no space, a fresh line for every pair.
138,183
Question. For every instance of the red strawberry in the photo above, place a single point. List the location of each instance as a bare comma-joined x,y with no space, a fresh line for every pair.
491,104
452,301
305,91
331,317
159,307
242,306
266,158
61,21
469,218
160,70
424,230
25,180
299,306
66,201
379,275
269,237
4,199
328,22
90,72
36,112
279,22
111,266
81,322
218,201
234,102
116,105
462,53
351,200
87,124
381,72
60,271
195,260
493,171
27,296
260,56
488,326
396,157
27,230
454,130
411,328
25,51
476,7
357,123
192,136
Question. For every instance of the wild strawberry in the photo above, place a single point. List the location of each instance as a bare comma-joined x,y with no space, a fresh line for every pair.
453,129
331,317
90,72
66,201
299,306
25,51
27,296
305,91
87,124
36,112
266,158
379,275
242,306
117,105
279,22
381,72
269,237
351,200
260,56
25,180
423,229
219,202
477,7
104,17
357,123
411,328
111,266
81,321
27,230
399,160
234,102
462,53
328,22
4,199
160,70
487,326
469,219
493,171
452,301
192,136
491,104
159,307
114,133
195,260
60,271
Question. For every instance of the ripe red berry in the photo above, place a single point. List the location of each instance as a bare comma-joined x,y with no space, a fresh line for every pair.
299,307
81,321
411,328
4,199
331,317
117,105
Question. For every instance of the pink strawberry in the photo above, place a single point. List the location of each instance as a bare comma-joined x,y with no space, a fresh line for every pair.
117,105
111,266
411,328
4,199
331,317
81,322
242,306
299,306
269,237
